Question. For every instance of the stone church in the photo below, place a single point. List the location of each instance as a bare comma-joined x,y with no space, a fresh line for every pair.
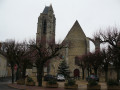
77,43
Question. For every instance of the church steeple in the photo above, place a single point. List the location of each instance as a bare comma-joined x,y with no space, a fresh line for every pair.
46,25
48,9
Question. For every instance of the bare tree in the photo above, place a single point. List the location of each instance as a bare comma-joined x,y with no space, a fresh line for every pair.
115,52
91,61
112,37
44,53
23,59
96,61
17,54
80,61
107,59
9,50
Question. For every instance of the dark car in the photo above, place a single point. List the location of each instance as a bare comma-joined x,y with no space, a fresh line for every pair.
92,77
49,77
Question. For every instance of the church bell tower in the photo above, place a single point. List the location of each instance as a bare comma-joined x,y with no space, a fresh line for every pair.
46,26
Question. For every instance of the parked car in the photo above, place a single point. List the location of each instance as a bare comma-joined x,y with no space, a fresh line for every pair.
60,77
49,77
92,77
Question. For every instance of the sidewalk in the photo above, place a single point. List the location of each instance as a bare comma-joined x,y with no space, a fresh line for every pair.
82,85
24,87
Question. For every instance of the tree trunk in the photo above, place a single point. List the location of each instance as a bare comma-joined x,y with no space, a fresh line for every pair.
118,74
12,68
24,71
106,76
95,70
17,74
48,69
39,75
106,73
88,71
83,73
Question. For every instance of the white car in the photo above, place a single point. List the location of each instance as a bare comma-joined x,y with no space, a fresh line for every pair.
60,77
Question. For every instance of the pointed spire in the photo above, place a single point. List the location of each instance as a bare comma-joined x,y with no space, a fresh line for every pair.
51,8
51,5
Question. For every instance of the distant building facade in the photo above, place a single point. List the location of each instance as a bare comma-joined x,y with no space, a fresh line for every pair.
3,66
5,70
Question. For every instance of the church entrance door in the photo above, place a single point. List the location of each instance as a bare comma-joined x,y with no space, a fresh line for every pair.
76,73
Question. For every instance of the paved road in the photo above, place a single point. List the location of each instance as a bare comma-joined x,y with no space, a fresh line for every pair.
3,86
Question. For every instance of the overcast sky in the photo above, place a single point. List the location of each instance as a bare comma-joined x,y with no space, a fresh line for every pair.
18,18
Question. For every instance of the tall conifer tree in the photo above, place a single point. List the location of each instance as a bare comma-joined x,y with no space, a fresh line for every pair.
64,69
